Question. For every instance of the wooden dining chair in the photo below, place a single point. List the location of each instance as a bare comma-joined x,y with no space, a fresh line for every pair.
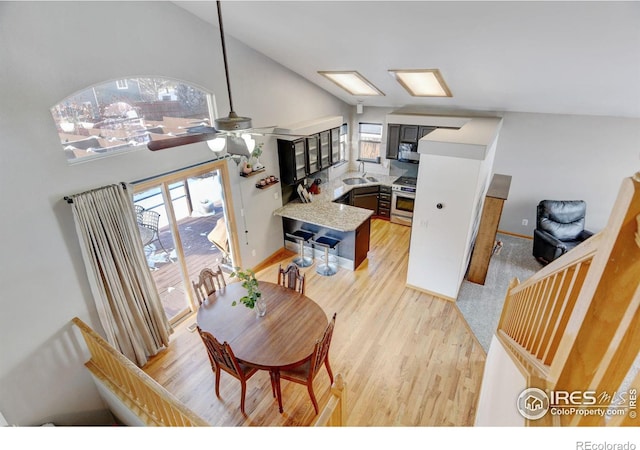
221,358
307,371
209,281
291,278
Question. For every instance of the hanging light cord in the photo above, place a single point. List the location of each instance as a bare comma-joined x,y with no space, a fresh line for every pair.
244,218
224,56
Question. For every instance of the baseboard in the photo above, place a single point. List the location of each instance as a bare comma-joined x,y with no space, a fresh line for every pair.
279,255
433,294
523,236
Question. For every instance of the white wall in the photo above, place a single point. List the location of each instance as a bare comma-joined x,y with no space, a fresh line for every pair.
502,383
564,157
439,236
50,50
454,172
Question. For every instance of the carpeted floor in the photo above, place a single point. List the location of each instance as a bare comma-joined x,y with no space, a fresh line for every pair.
481,305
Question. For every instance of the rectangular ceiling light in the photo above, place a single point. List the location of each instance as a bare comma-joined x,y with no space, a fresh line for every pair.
352,82
422,82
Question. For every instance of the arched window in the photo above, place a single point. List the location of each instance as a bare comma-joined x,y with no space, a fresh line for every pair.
124,115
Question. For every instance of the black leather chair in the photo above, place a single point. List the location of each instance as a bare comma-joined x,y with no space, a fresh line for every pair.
559,228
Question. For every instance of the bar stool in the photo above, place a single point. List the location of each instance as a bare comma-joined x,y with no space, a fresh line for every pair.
327,268
301,236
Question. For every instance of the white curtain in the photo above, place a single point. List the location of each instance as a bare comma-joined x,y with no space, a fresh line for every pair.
127,300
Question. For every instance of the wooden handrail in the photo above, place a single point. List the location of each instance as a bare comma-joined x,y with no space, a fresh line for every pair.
147,399
585,251
334,413
536,312
574,324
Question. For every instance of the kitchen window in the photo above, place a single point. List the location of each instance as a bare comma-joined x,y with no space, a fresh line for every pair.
370,138
343,142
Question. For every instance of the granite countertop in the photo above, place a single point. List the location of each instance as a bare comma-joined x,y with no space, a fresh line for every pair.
323,212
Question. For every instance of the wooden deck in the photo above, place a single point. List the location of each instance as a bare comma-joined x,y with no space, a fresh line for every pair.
199,253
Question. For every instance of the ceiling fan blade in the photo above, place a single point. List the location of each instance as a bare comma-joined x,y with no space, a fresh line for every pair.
180,140
198,129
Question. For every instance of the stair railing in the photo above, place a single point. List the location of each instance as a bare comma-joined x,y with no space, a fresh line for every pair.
142,395
334,413
575,325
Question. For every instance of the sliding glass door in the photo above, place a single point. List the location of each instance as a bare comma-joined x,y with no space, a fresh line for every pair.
191,233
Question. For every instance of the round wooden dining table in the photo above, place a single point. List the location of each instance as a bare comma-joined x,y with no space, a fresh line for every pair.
283,338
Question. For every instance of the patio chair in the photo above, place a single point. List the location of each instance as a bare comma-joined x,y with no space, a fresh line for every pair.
219,238
150,219
138,210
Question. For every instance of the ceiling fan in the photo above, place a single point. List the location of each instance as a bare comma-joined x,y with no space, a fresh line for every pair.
231,132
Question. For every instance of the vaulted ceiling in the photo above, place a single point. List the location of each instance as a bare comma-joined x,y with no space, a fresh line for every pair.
538,56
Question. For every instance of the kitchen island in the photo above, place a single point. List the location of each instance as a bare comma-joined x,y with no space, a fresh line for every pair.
349,224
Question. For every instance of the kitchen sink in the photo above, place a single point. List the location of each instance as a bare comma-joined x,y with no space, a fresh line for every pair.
355,180
372,179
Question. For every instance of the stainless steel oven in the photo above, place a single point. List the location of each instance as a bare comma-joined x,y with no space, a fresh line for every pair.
403,195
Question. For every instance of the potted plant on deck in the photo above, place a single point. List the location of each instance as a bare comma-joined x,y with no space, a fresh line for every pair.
253,299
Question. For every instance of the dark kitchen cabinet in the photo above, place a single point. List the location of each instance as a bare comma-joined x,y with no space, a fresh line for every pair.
324,143
424,130
393,139
313,154
375,198
384,202
293,160
409,133
366,197
397,133
362,243
335,145
303,157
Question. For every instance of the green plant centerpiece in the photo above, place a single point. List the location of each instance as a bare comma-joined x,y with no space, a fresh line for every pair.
250,283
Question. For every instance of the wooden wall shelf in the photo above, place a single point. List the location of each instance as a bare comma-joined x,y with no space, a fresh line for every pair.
251,174
267,186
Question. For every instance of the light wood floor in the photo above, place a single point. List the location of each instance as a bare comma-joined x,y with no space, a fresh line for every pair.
409,359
